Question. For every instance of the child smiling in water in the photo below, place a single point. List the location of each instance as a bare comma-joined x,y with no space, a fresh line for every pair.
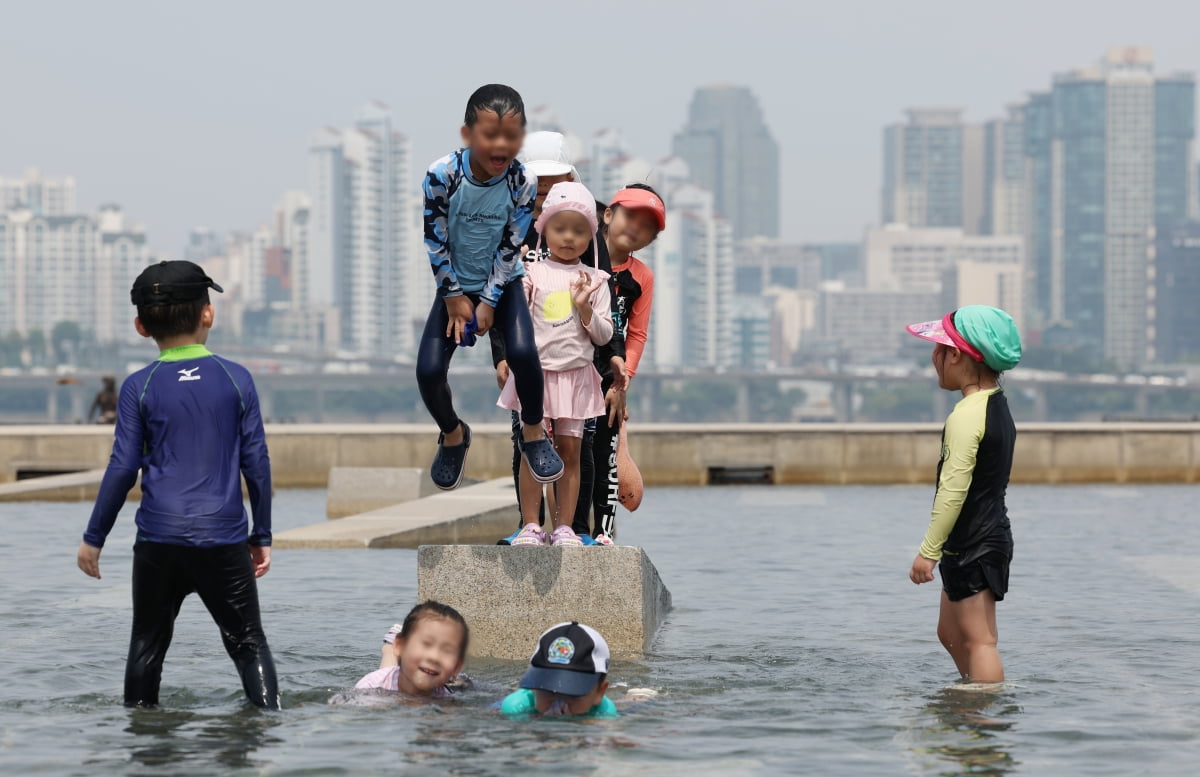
429,653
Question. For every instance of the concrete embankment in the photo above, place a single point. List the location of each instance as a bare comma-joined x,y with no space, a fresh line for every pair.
303,455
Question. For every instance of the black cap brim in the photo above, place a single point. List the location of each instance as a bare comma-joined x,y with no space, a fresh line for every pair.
562,681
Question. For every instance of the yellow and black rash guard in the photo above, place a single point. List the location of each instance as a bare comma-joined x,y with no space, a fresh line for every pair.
969,517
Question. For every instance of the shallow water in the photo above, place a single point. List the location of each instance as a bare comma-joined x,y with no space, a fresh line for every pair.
797,646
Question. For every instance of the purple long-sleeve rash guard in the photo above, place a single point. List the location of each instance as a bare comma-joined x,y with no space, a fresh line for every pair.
190,421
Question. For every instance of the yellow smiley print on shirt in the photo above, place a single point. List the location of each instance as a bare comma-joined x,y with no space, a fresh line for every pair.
558,306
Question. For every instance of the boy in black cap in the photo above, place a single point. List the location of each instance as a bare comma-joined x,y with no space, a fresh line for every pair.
567,676
190,422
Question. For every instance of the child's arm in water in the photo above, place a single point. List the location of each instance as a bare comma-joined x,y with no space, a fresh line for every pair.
436,188
508,254
960,447
119,477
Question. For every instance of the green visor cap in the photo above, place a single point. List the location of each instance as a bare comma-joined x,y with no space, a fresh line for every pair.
993,332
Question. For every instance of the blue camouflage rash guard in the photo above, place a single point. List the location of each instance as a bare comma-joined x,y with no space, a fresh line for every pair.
474,229
190,421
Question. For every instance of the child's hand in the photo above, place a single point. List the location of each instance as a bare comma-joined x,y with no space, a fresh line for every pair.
614,401
88,560
581,291
460,311
922,570
502,373
260,556
620,375
485,316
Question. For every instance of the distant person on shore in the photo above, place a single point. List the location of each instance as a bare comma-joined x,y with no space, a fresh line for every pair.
571,311
567,676
969,536
424,655
105,402
478,206
190,422
545,155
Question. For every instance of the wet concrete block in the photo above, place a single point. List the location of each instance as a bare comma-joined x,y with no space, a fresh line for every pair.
511,595
70,487
354,490
480,513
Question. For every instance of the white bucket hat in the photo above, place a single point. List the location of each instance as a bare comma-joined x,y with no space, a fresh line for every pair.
545,154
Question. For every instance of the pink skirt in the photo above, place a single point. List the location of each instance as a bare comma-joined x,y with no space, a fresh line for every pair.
570,394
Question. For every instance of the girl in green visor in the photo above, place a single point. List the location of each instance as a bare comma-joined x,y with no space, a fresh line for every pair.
969,536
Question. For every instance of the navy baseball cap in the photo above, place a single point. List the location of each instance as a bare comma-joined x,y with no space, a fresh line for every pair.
570,660
171,283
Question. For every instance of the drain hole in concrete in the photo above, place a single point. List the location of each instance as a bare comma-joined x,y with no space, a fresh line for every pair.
741,476
33,474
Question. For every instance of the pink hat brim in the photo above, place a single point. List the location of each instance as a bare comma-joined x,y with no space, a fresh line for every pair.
933,331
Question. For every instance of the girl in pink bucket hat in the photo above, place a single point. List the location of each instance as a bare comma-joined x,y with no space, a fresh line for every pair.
570,305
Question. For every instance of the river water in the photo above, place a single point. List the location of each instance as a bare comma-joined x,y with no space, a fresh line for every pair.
797,646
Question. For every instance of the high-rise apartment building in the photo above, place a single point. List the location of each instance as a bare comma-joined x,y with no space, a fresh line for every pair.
611,165
933,170
731,152
1110,159
1177,280
899,258
357,257
40,196
692,260
69,267
1004,174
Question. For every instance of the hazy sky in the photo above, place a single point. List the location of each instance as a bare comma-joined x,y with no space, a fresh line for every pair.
199,113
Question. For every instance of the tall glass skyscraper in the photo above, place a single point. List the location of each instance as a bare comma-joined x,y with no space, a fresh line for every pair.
1177,278
932,171
730,151
1004,174
1109,159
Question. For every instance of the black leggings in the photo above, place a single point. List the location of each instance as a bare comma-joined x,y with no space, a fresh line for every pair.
436,350
604,483
163,575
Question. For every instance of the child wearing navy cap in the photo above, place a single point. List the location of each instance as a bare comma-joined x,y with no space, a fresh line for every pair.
568,675
190,422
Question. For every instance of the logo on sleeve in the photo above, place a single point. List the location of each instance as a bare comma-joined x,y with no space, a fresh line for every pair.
189,374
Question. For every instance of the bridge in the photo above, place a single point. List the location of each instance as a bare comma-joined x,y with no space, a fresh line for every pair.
68,396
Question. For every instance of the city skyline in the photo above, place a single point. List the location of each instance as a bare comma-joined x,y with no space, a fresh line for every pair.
204,126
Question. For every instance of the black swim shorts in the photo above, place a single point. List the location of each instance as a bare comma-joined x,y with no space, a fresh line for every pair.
987,572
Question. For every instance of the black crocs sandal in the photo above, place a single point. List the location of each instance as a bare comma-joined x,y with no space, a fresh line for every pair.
544,462
450,463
